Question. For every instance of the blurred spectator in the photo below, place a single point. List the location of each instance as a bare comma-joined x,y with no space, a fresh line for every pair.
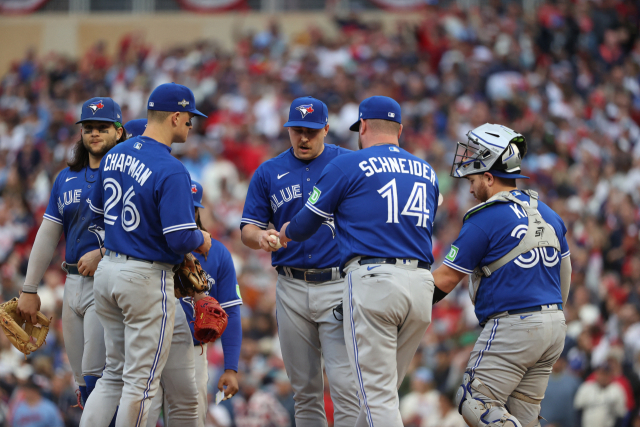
259,408
32,410
562,388
601,403
421,407
449,412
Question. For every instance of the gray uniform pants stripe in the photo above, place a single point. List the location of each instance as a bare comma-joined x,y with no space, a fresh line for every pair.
177,392
82,331
309,334
136,306
516,353
387,312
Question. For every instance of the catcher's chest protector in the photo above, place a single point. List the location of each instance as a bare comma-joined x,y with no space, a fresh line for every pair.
539,234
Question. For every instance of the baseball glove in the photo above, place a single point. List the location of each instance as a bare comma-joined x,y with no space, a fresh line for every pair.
210,321
24,335
189,278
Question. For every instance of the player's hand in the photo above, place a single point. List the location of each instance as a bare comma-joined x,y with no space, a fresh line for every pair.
28,306
264,240
283,235
204,248
88,263
229,379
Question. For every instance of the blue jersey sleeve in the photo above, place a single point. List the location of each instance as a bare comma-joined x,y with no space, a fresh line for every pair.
232,338
228,293
257,207
469,249
52,212
326,196
175,204
564,246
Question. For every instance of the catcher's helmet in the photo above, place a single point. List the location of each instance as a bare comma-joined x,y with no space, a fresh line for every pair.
490,148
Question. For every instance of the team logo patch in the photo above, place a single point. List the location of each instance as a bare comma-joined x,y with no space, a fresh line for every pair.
194,190
238,291
96,107
394,149
137,145
453,253
305,109
184,103
315,195
392,114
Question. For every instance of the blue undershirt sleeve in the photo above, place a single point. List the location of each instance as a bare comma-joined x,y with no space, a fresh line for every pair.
304,225
184,241
232,338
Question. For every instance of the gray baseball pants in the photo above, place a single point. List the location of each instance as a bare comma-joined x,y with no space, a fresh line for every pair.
177,392
514,355
83,332
308,333
136,306
387,311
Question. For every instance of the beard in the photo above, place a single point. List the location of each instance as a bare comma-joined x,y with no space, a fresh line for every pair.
482,193
108,144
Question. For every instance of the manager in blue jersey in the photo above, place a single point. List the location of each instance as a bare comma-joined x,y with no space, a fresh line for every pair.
68,212
143,195
309,286
513,246
383,201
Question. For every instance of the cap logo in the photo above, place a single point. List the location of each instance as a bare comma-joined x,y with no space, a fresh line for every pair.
194,190
96,107
151,104
305,109
184,103
392,114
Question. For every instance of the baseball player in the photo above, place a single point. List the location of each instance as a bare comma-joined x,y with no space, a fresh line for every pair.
384,200
515,250
149,222
69,212
309,286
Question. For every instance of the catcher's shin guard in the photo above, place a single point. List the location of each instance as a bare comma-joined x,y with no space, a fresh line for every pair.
478,406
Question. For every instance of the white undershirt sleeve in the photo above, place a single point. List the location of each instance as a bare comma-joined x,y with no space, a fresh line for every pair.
44,246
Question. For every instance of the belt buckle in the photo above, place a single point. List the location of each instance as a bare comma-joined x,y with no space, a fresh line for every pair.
305,277
63,266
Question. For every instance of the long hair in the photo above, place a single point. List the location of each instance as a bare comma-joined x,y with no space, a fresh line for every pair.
80,157
198,222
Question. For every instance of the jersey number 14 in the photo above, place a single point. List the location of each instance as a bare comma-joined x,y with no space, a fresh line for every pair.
415,206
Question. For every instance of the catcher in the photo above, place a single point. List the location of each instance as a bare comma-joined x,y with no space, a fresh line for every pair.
24,335
183,390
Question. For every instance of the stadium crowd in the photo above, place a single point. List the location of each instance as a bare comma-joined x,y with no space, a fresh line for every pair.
567,77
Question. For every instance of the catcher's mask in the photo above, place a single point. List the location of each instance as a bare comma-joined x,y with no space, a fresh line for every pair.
490,148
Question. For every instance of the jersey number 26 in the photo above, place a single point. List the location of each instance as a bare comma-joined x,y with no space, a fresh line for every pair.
128,208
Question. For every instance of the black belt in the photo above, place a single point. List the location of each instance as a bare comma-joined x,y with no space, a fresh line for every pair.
70,268
108,252
371,260
531,309
312,276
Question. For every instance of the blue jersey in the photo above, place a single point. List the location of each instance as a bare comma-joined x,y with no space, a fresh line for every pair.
224,283
490,231
68,207
278,190
384,201
143,193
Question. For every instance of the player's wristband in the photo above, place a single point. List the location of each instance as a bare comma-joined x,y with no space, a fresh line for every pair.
30,289
438,294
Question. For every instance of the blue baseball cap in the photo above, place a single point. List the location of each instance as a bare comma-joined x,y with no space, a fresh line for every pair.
196,192
378,107
101,110
308,112
173,97
135,127
503,174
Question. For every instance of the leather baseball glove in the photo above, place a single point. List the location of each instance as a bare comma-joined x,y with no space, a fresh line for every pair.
24,335
190,278
210,320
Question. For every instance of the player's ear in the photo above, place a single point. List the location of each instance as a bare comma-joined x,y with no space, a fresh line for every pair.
326,130
363,126
490,179
400,131
119,131
175,117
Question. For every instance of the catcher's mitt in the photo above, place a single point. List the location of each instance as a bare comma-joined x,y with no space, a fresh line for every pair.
189,278
210,321
24,335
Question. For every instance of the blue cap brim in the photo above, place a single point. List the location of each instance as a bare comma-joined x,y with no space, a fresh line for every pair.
97,119
501,174
355,127
196,204
302,124
197,113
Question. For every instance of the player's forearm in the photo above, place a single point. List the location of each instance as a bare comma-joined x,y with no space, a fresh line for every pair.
250,236
304,225
43,248
184,241
232,338
447,278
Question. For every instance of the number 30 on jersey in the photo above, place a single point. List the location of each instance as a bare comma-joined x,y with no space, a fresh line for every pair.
415,206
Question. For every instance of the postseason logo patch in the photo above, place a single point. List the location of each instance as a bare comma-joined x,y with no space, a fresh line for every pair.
453,253
314,196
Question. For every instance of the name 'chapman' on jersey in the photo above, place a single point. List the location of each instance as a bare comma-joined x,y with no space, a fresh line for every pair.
127,164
